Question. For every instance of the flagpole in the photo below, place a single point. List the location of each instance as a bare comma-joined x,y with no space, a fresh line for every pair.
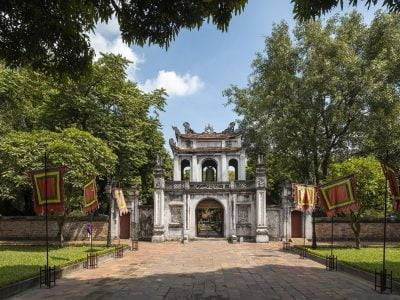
91,232
304,230
47,221
383,278
332,236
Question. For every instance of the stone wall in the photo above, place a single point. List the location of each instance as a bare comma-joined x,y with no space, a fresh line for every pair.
371,230
33,228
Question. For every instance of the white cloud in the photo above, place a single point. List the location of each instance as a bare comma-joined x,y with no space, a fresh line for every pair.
173,83
107,39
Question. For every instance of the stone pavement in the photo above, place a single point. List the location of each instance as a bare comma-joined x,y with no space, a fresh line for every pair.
208,270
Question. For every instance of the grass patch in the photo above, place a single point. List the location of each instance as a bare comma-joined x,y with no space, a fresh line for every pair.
368,258
22,262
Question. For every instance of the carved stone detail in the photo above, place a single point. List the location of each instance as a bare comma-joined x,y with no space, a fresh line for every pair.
260,182
243,213
176,214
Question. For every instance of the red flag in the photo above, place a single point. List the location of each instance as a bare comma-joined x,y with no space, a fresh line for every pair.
90,197
393,181
48,185
338,196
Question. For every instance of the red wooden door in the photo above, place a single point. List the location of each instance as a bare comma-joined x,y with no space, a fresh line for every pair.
297,226
124,226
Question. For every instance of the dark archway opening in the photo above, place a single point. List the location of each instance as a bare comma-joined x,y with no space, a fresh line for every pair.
185,169
209,219
209,169
233,169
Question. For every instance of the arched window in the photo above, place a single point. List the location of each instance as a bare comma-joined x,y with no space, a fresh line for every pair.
233,169
185,169
209,170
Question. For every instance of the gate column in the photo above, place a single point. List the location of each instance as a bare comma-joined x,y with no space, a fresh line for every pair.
261,212
159,185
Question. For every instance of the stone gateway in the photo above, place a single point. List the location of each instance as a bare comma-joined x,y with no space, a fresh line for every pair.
210,196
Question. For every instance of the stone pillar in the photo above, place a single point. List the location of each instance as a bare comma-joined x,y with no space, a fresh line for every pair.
194,169
224,168
177,169
242,167
261,199
185,212
234,214
159,226
286,212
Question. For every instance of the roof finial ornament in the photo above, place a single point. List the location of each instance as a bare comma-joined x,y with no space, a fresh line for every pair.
172,143
230,129
209,129
176,130
187,127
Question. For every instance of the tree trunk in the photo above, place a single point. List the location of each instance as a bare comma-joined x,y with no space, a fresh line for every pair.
356,228
60,234
314,233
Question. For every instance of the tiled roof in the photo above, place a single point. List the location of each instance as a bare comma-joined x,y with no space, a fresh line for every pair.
207,149
208,136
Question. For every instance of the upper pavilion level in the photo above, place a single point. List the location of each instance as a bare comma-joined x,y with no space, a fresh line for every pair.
208,155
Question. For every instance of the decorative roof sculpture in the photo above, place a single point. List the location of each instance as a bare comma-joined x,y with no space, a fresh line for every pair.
187,127
230,129
176,130
209,129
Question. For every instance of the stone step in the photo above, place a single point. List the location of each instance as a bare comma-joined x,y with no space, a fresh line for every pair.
209,239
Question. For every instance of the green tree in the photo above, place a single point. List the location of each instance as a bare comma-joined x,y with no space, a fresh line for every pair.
22,93
112,108
370,186
53,35
21,152
306,9
321,95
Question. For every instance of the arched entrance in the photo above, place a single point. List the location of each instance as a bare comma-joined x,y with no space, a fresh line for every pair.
209,219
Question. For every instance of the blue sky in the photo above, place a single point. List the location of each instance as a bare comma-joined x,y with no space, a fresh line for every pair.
200,64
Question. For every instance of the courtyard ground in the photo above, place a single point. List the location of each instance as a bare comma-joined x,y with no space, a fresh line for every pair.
208,269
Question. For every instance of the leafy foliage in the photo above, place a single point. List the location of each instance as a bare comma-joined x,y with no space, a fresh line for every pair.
322,95
309,9
102,106
20,152
53,35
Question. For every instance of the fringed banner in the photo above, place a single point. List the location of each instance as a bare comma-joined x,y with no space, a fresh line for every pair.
120,199
304,196
90,197
338,196
394,186
48,185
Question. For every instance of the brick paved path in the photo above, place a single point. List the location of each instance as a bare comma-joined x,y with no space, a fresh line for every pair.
211,270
